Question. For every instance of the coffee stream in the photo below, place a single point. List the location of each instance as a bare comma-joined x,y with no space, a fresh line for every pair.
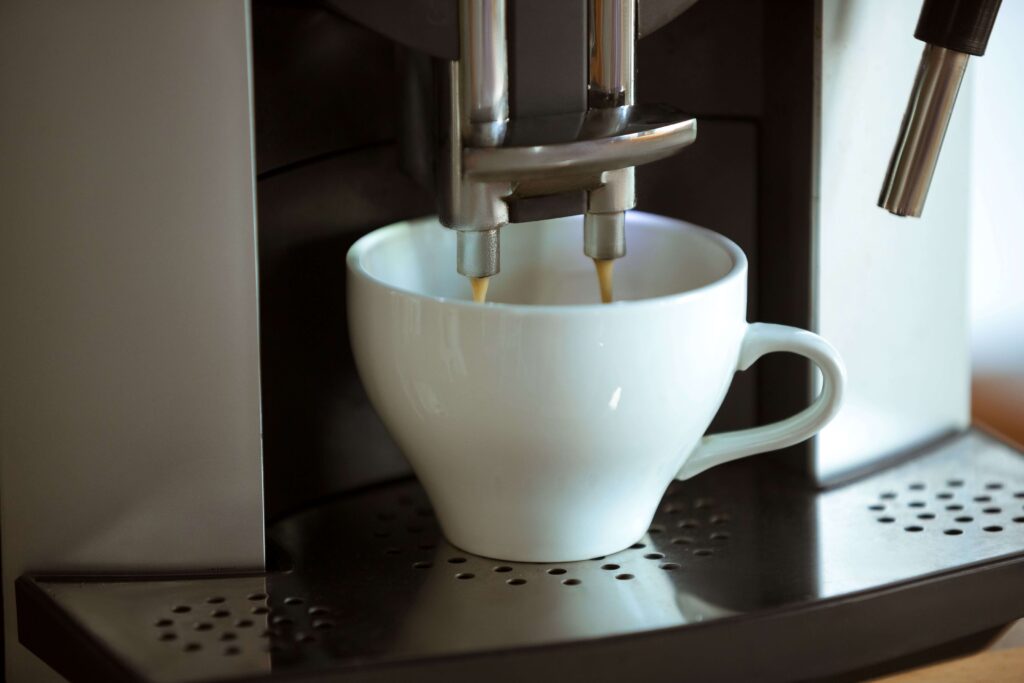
479,285
605,270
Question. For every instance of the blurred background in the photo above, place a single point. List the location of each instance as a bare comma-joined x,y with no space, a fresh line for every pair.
997,228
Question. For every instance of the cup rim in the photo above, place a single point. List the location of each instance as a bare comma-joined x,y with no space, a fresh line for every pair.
364,244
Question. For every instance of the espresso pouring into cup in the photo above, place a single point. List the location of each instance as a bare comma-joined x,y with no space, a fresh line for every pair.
605,271
545,426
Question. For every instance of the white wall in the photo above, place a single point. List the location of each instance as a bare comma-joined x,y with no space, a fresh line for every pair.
997,208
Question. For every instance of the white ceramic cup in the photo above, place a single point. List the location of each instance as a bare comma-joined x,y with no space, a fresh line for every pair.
544,425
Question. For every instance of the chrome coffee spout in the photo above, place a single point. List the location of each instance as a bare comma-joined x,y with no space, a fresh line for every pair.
478,252
612,73
953,30
489,160
477,116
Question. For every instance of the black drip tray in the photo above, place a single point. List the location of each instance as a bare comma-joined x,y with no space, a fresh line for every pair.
744,575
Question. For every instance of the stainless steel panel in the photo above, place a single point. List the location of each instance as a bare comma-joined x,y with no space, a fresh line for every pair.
129,415
889,293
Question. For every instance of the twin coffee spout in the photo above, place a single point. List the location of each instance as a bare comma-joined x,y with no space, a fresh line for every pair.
491,160
523,110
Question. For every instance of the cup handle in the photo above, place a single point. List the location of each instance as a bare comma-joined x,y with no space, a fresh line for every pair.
762,338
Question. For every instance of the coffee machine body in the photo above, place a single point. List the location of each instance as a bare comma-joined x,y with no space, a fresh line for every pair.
159,415
777,91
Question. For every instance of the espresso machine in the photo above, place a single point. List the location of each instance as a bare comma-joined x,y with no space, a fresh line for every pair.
193,484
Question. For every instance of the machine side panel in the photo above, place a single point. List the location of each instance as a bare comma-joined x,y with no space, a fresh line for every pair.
890,293
129,359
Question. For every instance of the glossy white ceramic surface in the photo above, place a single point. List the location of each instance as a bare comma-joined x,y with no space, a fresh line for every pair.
544,425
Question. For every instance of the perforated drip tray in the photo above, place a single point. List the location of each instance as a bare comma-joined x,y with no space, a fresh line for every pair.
744,575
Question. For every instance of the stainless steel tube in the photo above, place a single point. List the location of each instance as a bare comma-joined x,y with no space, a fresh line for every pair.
611,84
479,252
483,116
924,126
484,60
612,41
604,235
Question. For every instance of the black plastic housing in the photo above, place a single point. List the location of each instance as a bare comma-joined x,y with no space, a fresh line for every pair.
961,25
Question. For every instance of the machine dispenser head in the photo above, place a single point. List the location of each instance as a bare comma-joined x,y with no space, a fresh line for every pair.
489,159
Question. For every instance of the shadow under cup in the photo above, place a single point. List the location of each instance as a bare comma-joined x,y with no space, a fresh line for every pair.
544,425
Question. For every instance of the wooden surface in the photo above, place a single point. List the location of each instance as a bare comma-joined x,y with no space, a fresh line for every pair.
997,403
1002,661
998,406
993,665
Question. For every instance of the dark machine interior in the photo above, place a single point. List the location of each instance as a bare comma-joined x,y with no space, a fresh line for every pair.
328,123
